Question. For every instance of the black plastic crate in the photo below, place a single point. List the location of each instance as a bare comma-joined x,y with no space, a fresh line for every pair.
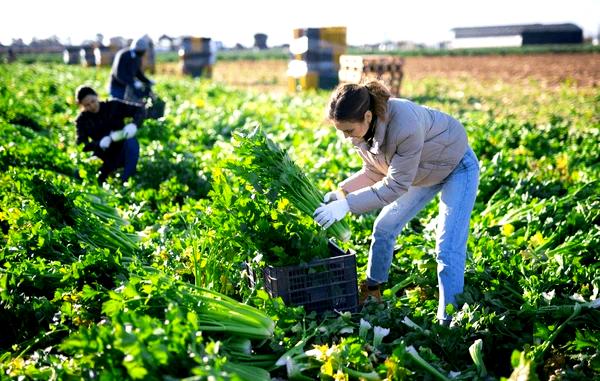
322,285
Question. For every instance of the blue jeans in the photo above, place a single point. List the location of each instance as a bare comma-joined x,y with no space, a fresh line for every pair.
457,198
116,92
126,157
126,93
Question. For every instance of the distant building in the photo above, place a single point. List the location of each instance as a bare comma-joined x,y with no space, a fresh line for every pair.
516,35
260,41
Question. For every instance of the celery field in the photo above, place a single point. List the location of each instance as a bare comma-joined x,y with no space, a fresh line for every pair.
146,280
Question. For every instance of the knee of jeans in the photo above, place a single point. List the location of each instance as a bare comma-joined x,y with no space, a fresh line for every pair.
447,257
381,234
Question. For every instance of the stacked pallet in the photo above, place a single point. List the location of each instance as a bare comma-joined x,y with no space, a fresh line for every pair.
71,55
315,57
86,56
389,69
104,55
196,56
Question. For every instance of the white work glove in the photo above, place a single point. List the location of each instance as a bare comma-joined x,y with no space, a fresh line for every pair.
105,142
118,135
138,85
327,215
334,195
130,130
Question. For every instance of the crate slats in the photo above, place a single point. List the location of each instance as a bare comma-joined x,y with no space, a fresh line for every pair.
322,285
389,69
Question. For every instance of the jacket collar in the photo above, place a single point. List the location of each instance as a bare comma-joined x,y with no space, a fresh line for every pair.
380,130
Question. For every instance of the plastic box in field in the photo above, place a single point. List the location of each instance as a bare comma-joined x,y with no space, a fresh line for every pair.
328,284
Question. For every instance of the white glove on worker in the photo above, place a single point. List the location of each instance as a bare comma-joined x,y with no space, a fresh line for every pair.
105,142
334,195
327,215
138,84
130,130
127,132
117,136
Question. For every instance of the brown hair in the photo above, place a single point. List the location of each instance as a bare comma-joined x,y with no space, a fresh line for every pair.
350,101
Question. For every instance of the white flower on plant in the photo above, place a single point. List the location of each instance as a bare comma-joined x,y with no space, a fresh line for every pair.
577,297
378,334
548,296
365,326
316,353
321,352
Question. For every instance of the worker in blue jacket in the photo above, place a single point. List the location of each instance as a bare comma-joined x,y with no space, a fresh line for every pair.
108,130
127,80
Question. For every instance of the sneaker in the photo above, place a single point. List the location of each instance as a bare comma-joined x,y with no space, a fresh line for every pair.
365,291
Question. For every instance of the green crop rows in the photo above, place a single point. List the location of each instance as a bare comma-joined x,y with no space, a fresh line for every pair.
112,283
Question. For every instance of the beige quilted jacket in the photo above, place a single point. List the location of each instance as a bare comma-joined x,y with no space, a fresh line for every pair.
414,146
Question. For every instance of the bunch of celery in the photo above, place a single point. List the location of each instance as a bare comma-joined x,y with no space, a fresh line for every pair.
94,223
271,171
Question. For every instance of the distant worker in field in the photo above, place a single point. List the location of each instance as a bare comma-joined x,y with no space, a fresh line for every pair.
410,153
11,57
127,80
108,129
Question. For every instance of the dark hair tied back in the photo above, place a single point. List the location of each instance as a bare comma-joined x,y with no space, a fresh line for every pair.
84,91
349,102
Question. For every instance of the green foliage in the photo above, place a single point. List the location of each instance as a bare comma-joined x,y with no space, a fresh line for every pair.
107,282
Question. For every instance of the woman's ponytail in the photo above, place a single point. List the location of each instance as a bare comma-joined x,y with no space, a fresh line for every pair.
349,102
379,95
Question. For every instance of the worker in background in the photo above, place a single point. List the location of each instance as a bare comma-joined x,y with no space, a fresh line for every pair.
11,57
108,129
410,154
127,80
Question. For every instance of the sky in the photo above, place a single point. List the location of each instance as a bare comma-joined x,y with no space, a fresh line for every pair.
236,21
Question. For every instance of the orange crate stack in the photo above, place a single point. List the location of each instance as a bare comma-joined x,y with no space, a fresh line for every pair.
317,54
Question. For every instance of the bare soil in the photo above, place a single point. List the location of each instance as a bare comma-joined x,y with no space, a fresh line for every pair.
552,69
579,69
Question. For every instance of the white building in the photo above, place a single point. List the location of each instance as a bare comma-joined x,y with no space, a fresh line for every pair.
516,35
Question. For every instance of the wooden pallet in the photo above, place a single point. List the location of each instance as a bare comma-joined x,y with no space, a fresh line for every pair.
356,68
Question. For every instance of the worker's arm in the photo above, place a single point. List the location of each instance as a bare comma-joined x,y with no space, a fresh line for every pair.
140,75
367,176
